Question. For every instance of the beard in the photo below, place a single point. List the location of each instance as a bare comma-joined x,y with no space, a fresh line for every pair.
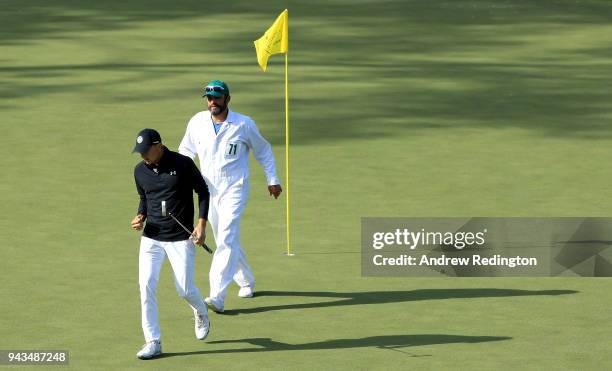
218,109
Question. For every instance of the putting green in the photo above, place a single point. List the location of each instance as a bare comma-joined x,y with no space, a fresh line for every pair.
398,108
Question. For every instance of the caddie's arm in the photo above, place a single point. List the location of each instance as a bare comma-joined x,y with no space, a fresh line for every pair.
187,146
262,150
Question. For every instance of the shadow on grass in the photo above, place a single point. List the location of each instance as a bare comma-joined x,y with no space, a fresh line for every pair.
383,297
40,19
391,342
406,66
409,67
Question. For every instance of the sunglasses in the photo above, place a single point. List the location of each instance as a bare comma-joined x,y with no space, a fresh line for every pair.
218,89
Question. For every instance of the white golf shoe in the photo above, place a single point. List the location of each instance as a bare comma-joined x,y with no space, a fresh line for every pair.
245,292
202,326
214,306
150,350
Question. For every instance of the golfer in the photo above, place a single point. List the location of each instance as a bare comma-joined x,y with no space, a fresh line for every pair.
167,176
222,139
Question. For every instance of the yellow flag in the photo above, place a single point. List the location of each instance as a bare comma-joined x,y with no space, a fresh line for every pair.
274,41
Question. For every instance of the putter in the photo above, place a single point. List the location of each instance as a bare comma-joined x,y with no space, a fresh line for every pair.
166,213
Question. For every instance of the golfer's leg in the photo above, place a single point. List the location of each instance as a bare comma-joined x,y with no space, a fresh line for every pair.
150,261
182,258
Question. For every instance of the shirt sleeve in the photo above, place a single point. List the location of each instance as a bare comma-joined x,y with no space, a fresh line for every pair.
200,187
262,150
142,206
187,146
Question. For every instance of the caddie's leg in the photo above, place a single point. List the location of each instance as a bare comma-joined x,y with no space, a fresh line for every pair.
225,260
244,275
213,217
150,261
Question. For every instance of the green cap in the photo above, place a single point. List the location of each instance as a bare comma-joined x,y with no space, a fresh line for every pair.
216,88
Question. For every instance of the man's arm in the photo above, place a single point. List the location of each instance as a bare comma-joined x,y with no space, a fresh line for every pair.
200,187
262,150
187,146
141,214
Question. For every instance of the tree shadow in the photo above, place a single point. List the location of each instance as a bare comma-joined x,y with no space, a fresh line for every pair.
391,342
416,67
41,19
384,297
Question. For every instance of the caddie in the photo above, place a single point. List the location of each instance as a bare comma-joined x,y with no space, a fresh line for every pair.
222,140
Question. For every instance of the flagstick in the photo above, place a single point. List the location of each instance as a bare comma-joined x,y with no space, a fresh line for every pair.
287,150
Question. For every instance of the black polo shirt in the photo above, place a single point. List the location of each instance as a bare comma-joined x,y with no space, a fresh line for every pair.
173,180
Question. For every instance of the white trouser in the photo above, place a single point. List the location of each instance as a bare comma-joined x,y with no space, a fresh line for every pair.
152,255
227,202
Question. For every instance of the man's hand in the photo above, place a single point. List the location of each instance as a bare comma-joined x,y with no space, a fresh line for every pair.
138,222
199,233
275,190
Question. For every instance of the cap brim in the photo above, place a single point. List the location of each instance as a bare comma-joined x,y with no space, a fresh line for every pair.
141,148
213,94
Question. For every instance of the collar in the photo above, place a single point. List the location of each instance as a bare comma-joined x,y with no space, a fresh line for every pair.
231,117
164,159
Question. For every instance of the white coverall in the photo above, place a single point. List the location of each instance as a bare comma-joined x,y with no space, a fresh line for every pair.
224,163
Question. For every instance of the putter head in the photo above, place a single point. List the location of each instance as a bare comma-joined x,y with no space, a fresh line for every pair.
164,211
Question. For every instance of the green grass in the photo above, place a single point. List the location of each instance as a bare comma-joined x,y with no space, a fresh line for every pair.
398,108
